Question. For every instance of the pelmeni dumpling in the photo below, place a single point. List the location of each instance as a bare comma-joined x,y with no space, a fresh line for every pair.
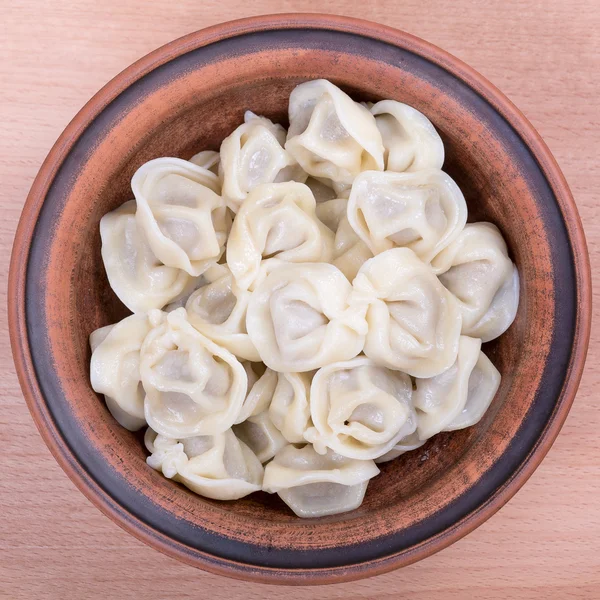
414,322
299,318
115,369
193,386
184,219
424,211
207,159
360,410
218,310
261,436
252,155
477,270
289,408
315,485
410,140
217,466
276,220
406,444
330,135
458,397
138,278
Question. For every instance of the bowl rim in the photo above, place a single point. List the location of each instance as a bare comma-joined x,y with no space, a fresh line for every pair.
20,253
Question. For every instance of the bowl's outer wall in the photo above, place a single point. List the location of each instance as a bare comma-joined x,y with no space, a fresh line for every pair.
423,500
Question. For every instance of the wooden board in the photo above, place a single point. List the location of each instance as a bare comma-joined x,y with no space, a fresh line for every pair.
544,544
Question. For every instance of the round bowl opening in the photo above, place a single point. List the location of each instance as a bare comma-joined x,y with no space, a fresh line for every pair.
187,97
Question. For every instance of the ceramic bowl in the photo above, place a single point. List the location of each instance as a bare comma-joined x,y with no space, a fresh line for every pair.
188,96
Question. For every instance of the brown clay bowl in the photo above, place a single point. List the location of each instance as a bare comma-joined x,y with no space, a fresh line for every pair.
188,96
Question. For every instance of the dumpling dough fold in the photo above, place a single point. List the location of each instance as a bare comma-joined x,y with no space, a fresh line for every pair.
276,221
410,140
330,135
220,466
360,410
218,308
136,276
193,386
115,369
477,270
184,219
414,322
424,211
458,397
315,485
299,318
252,155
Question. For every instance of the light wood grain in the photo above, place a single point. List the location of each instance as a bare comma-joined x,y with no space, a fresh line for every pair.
545,55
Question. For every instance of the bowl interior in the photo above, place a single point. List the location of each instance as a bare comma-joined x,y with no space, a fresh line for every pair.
190,104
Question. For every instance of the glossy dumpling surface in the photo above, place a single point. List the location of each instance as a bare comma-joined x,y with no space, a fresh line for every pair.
315,485
115,369
477,270
183,217
261,436
413,322
218,308
276,221
289,409
252,155
217,466
360,410
424,211
410,140
330,135
299,318
458,397
138,278
193,386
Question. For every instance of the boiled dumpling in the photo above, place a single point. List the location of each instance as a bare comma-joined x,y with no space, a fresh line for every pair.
289,408
207,159
406,444
220,466
299,318
252,155
276,220
218,310
477,270
458,397
261,436
360,410
184,219
138,278
424,211
193,386
330,135
413,321
315,485
115,369
410,140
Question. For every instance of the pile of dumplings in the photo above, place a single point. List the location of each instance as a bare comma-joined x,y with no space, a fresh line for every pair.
306,304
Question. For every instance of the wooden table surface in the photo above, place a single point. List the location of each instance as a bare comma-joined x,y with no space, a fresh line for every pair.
545,55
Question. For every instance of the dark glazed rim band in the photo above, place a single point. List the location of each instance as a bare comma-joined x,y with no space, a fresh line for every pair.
20,255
